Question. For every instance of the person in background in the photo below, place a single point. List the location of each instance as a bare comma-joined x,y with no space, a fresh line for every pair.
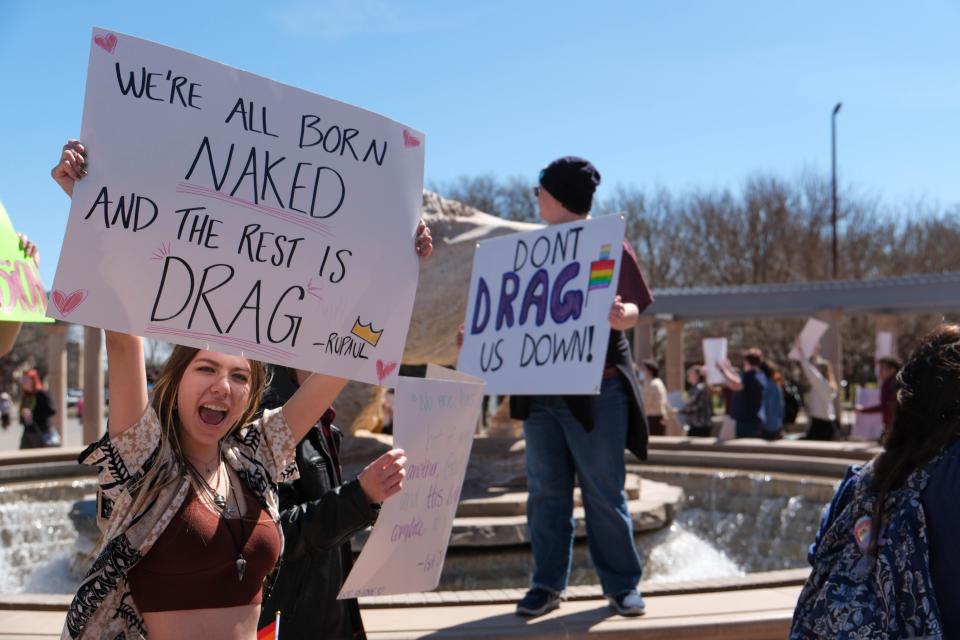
820,400
10,330
772,402
36,410
654,398
887,369
885,561
583,437
698,410
746,405
320,512
6,408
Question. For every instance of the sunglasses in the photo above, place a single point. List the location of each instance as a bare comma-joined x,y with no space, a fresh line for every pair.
536,192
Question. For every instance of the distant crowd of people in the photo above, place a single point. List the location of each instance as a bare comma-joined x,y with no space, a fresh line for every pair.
758,401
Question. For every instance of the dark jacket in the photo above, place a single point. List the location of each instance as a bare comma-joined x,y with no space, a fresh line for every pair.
318,515
748,401
618,355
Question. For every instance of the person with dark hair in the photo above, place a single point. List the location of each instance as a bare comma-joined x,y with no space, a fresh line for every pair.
654,398
885,562
36,411
698,410
746,405
887,368
583,437
319,512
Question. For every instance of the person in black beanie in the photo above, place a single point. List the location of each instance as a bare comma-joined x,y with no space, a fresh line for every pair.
585,436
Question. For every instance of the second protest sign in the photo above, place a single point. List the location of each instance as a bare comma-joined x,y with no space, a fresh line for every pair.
538,307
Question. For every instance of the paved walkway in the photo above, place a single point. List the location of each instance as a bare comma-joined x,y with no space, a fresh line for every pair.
741,615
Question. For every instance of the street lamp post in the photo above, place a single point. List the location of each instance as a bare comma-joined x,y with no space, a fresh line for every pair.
833,151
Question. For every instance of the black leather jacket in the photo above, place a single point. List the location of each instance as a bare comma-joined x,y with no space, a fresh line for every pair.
318,516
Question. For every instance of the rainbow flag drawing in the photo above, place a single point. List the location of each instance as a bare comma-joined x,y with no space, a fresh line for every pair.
601,271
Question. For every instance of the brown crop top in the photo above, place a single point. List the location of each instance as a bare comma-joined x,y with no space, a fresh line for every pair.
192,565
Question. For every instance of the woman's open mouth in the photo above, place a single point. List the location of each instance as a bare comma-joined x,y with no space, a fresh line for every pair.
212,415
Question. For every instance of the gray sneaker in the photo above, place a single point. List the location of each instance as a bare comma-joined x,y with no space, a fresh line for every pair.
537,602
629,603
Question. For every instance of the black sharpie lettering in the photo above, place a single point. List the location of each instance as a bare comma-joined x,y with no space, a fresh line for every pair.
201,227
128,211
267,246
293,329
248,117
262,179
178,288
337,140
490,358
146,86
551,348
338,345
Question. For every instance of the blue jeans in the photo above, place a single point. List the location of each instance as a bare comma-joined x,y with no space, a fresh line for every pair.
557,447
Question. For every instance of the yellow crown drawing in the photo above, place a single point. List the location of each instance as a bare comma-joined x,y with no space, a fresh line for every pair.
366,333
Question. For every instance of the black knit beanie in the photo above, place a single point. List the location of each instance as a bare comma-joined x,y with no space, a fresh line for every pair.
572,181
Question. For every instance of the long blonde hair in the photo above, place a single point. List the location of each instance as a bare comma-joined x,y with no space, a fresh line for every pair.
164,403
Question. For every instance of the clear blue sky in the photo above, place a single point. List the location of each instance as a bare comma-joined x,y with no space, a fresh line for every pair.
682,94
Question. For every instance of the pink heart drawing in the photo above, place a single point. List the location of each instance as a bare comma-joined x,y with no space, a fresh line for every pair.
383,370
410,140
67,302
108,42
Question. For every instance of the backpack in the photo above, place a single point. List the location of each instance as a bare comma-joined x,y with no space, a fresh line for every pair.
854,592
772,407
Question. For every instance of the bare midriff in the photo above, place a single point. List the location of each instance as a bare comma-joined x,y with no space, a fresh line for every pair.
228,623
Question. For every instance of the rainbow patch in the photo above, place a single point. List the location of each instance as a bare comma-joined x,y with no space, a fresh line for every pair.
862,530
601,271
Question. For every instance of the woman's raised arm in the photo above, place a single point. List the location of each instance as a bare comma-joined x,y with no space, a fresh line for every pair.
127,380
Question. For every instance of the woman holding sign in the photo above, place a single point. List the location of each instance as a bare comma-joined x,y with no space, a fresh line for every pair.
584,436
187,504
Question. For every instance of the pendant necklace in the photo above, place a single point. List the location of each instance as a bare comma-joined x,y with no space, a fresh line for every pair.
240,562
220,501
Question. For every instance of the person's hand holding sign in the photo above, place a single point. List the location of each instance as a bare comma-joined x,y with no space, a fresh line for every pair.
423,242
383,477
623,315
72,166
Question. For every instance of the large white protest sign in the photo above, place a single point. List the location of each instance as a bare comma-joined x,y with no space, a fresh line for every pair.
538,308
714,352
809,338
226,210
434,419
